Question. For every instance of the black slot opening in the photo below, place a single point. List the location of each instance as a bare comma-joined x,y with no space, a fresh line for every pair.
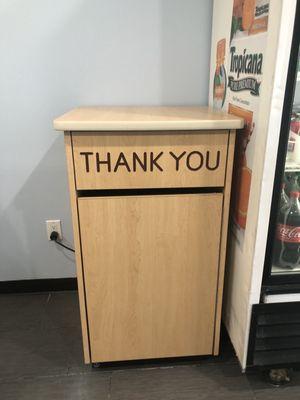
148,191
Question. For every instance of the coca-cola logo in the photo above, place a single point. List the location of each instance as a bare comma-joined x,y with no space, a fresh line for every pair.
287,233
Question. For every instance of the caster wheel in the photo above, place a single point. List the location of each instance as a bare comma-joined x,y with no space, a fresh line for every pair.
279,377
96,365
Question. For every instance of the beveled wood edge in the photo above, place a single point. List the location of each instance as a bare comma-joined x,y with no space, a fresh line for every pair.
145,126
144,118
141,132
78,256
223,243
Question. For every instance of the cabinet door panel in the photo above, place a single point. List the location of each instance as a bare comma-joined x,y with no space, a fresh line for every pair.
150,269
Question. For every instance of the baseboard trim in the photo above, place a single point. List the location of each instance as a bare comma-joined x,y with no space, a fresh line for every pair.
38,285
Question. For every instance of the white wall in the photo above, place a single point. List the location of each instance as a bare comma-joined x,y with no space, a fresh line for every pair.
56,55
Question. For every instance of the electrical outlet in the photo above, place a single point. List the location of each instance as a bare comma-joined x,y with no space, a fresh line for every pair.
53,225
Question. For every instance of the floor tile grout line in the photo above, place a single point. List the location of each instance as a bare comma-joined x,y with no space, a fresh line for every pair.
48,298
69,372
24,378
109,386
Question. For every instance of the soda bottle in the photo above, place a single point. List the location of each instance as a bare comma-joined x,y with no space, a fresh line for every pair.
284,199
291,183
288,234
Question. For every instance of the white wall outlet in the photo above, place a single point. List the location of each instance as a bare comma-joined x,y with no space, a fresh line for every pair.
54,225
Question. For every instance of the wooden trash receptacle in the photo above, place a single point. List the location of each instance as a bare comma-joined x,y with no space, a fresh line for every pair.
150,189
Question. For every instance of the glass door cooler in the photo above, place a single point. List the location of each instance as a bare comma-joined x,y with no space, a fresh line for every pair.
282,262
261,306
274,337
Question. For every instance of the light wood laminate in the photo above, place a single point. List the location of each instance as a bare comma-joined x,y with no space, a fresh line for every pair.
109,160
145,118
224,233
151,270
76,233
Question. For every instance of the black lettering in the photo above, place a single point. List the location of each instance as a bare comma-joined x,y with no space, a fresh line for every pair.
232,51
245,63
177,158
86,154
254,64
259,63
249,64
121,162
153,161
217,163
188,164
107,161
240,64
244,60
136,160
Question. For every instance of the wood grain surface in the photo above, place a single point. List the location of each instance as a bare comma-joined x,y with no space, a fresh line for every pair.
109,160
146,118
151,270
79,268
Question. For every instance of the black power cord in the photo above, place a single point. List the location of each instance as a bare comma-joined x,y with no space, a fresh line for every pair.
54,236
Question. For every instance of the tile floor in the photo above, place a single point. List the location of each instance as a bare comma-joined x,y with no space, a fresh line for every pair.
41,359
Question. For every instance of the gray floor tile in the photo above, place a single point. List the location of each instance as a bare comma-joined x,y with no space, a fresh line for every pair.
22,311
83,369
41,358
259,381
62,311
280,393
190,382
61,387
32,352
39,342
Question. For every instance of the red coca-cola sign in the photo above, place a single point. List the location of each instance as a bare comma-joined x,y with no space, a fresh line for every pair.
288,233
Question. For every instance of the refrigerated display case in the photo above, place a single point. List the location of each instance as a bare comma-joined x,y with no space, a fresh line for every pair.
274,337
282,261
262,279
